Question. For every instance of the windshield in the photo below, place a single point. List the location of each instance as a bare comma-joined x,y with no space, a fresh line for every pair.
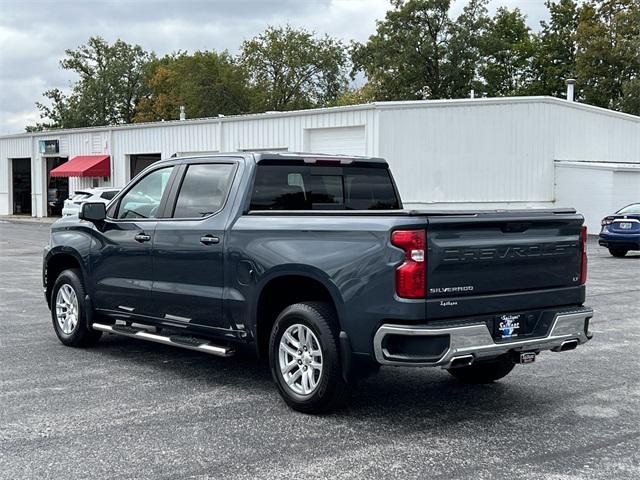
633,209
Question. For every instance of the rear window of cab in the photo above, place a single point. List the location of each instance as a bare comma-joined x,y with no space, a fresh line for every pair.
306,187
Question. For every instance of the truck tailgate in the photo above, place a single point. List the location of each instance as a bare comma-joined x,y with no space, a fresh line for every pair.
526,258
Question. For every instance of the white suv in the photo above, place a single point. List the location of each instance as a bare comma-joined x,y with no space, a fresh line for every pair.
104,194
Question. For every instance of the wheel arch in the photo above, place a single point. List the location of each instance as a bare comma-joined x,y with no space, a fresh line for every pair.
58,260
284,287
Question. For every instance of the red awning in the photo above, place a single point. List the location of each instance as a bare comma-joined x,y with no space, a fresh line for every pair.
84,166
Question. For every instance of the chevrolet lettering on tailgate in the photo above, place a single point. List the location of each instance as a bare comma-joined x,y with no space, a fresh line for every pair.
466,254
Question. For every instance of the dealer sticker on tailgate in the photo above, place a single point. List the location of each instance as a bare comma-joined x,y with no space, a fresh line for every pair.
509,326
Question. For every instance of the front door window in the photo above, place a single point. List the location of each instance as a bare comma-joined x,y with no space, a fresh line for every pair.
143,199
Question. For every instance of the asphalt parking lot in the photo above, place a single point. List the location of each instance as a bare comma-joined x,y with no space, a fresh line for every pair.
131,409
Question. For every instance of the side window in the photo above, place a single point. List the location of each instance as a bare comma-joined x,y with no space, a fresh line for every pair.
280,188
203,190
143,199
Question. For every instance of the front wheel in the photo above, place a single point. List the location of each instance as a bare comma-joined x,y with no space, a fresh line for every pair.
304,357
484,372
68,311
618,252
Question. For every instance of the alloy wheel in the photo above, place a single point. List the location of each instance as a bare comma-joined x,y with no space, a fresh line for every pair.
300,359
67,308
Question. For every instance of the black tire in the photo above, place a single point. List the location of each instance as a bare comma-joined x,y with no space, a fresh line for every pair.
484,372
618,252
331,388
80,334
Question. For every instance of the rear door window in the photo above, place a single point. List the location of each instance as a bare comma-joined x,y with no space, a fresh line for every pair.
304,187
203,190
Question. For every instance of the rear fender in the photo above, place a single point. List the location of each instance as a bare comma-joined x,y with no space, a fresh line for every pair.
302,271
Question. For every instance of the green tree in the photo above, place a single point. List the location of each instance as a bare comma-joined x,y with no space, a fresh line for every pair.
356,96
608,57
554,48
630,101
465,49
506,54
419,52
107,92
206,83
291,69
63,112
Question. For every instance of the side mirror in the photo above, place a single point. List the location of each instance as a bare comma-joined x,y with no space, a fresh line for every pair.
93,212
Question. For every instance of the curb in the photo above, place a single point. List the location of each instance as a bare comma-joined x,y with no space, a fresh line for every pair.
27,220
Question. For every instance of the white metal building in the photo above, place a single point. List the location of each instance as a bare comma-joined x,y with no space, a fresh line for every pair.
482,153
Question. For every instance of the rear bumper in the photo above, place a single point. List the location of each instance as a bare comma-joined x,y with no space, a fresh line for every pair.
475,342
628,241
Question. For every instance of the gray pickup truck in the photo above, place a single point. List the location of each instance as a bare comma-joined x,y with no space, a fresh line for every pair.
312,261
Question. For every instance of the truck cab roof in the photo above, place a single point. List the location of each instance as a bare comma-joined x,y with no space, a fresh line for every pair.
293,157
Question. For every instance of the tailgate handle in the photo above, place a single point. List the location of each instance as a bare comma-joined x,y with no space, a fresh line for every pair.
515,227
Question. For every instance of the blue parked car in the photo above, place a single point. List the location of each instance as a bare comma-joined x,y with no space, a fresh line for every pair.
621,231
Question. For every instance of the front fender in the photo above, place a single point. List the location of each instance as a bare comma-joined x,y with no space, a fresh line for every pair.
69,248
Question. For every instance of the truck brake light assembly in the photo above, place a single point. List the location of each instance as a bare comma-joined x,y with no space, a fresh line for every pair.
411,276
583,244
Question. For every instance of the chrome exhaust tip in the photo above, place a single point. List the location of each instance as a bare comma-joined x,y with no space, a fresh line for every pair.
568,345
461,361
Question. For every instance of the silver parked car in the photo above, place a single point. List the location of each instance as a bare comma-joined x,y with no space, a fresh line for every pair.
102,194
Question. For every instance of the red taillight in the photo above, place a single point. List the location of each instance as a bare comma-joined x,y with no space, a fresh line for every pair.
583,243
411,276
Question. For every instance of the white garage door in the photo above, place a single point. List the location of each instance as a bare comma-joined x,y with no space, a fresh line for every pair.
345,140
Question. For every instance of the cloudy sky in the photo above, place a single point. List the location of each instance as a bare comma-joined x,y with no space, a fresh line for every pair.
35,33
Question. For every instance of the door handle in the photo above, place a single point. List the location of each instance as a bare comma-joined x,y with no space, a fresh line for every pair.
142,237
209,240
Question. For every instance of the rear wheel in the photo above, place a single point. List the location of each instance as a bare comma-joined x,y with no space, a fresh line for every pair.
304,358
68,311
484,372
618,252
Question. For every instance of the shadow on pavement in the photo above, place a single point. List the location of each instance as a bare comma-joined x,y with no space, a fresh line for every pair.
395,396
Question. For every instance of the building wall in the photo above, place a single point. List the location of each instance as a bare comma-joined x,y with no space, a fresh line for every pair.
260,132
482,153
285,131
583,136
165,140
291,131
479,151
593,134
596,190
14,148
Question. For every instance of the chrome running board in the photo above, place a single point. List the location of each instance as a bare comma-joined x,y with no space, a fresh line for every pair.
190,343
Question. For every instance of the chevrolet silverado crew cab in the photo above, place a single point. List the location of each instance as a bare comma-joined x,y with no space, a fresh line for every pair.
311,261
